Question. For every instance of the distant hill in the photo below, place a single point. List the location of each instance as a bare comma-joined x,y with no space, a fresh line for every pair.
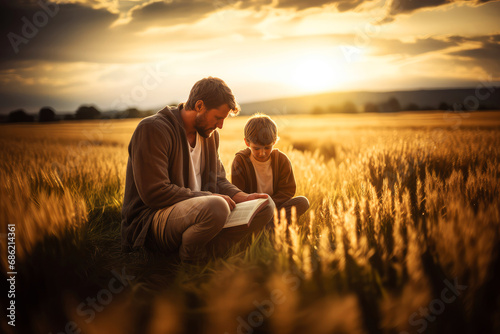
485,98
466,99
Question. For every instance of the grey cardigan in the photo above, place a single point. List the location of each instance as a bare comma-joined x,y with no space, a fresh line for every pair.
158,172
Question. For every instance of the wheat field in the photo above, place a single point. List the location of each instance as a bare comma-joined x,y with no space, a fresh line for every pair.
402,235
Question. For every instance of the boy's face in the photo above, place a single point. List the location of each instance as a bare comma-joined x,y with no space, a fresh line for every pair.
260,152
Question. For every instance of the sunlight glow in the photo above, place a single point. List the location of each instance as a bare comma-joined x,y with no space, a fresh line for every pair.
318,73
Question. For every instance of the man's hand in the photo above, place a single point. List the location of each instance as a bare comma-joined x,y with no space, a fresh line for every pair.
243,197
228,199
256,196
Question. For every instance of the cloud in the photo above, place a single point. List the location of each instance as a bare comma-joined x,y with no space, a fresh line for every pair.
342,5
80,33
486,47
301,4
485,55
396,7
419,46
407,6
489,51
462,55
161,13
52,32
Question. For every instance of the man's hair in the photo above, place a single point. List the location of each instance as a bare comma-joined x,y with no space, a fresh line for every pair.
261,130
213,92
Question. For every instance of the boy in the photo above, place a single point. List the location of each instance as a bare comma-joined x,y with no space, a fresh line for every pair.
259,168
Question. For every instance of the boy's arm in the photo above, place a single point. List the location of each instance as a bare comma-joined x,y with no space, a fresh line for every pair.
238,178
286,183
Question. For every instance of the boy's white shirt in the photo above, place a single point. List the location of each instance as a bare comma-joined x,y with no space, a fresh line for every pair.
264,175
195,165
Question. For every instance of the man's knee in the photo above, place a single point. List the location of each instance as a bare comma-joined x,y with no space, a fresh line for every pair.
302,204
270,207
267,212
217,210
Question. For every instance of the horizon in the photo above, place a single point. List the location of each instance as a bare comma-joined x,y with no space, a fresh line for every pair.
147,54
34,112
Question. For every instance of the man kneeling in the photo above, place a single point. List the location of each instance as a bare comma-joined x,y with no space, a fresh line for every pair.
177,197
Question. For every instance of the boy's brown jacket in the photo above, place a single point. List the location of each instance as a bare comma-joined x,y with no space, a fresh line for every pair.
243,175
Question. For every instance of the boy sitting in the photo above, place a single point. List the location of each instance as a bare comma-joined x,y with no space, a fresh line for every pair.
262,169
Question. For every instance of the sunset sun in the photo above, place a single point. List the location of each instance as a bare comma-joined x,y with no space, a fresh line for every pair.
318,73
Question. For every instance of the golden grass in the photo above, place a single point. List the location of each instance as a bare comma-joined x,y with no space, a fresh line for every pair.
399,203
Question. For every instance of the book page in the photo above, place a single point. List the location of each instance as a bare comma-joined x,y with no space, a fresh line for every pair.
243,212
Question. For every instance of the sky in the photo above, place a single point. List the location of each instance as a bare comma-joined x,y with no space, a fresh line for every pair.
118,54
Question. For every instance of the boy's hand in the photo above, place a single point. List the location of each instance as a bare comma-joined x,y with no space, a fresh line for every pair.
243,197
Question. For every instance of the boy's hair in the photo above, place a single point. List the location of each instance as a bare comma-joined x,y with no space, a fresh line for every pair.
214,92
261,130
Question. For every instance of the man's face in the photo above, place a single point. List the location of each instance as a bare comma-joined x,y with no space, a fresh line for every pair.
260,152
208,120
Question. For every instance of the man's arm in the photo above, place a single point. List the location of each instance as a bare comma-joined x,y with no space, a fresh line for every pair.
149,153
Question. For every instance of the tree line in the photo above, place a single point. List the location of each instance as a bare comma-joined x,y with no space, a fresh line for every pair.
84,112
89,112
391,105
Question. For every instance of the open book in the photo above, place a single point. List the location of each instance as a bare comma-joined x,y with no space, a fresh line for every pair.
244,212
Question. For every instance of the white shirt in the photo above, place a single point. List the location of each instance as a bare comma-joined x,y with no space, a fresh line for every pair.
195,164
264,175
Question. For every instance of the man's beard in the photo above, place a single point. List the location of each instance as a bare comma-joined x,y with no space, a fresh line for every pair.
200,125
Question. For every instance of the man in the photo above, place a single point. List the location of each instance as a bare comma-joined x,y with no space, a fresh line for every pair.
177,196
